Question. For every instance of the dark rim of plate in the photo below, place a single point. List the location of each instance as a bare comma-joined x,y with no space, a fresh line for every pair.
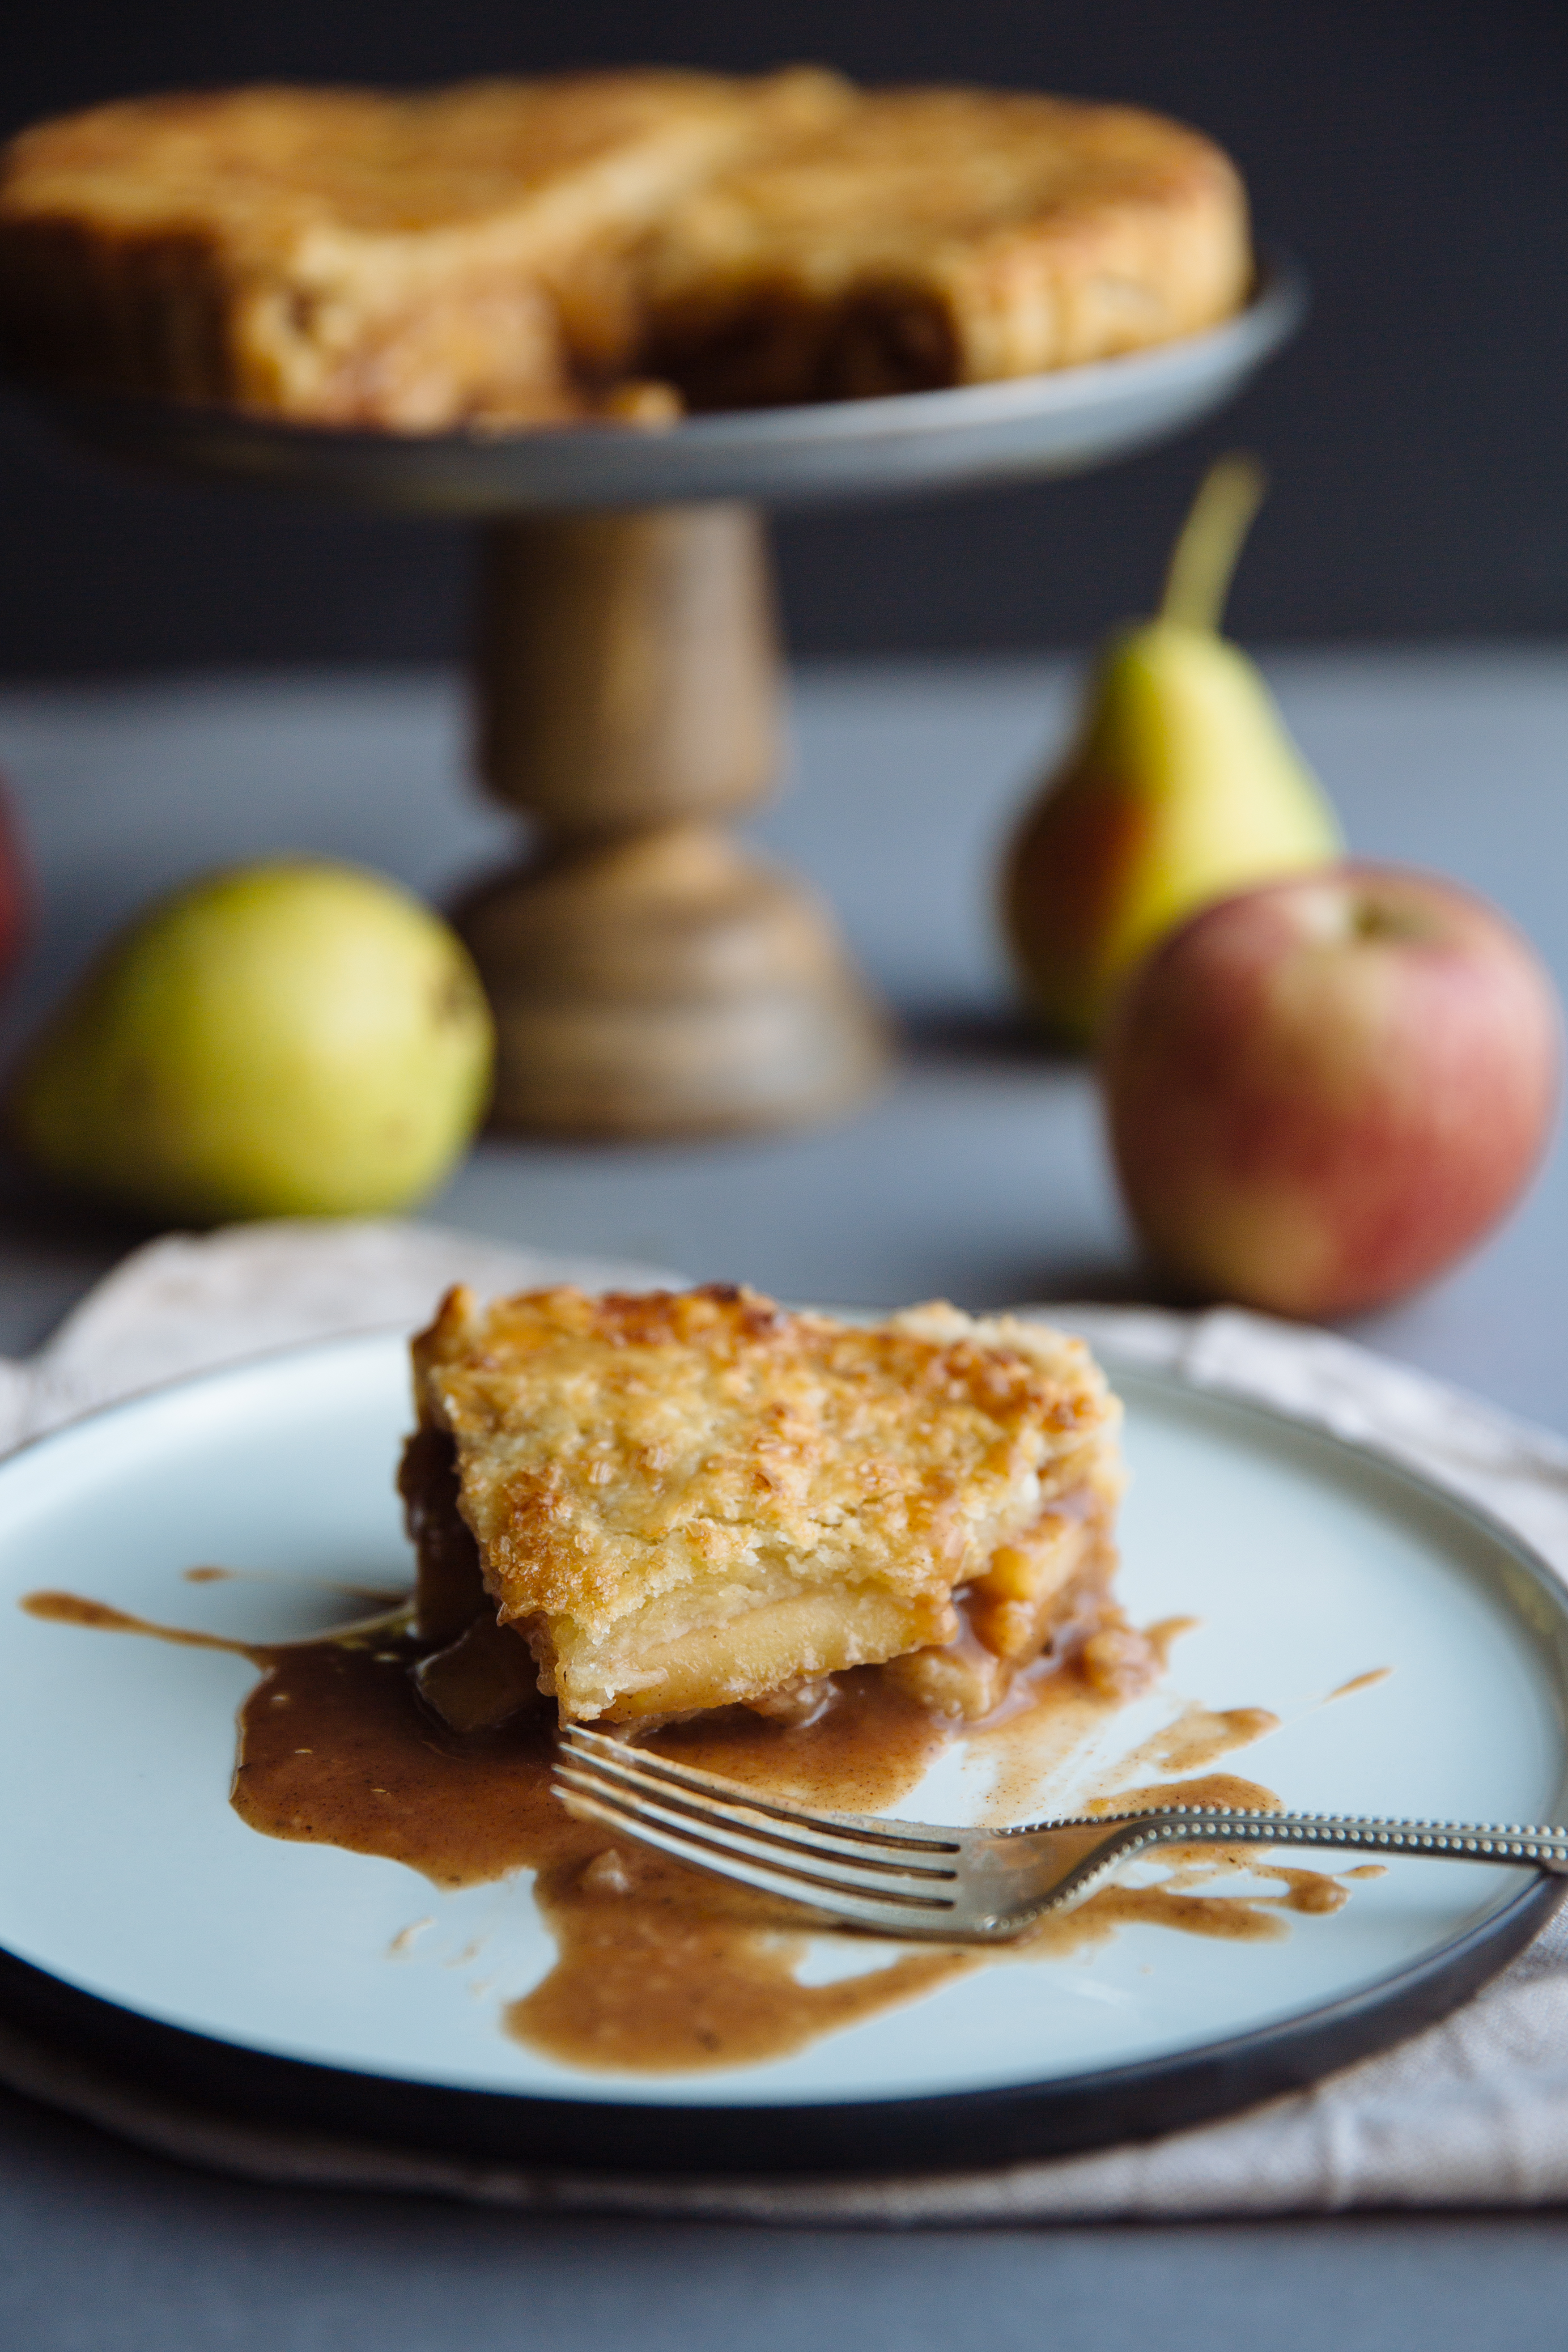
192,2080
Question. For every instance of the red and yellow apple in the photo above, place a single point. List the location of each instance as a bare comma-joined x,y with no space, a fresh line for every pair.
1322,1091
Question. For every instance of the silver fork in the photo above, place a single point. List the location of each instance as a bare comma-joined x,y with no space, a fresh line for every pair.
918,1881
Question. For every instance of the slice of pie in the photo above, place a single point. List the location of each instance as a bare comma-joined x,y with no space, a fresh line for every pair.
531,252
689,1500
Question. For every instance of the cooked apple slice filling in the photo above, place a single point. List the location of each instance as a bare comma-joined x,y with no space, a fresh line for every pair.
690,1500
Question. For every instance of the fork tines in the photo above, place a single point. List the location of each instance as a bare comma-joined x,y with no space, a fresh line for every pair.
889,1878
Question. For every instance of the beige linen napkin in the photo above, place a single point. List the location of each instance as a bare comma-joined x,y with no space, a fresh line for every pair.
1472,2112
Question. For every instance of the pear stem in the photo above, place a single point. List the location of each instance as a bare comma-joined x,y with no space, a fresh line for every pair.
1204,555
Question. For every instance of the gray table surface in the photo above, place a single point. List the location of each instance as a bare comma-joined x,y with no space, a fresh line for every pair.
980,1174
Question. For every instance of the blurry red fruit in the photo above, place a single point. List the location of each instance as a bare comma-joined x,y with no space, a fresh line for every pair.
1323,1091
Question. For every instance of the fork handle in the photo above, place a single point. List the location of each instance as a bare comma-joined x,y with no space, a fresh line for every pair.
1515,1841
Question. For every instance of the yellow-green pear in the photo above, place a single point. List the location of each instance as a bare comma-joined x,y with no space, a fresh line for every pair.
1181,787
288,1039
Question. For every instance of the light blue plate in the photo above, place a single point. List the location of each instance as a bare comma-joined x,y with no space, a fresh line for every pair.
124,1872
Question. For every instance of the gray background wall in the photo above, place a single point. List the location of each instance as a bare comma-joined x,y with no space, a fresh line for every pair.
1411,151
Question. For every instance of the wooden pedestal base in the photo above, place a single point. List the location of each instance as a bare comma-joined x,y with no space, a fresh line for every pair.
647,977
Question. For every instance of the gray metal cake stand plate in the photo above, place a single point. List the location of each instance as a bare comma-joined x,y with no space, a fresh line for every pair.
1034,425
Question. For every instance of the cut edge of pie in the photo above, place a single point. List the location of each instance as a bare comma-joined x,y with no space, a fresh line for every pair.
690,1500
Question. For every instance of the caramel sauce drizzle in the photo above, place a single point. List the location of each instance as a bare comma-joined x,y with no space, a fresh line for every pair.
1360,1683
659,1967
70,1608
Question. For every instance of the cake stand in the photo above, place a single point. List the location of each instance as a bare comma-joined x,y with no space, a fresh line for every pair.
649,977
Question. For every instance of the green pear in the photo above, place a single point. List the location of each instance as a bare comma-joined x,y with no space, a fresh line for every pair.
288,1039
1181,787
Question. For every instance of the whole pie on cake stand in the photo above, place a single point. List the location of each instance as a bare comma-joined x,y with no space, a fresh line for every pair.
612,317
